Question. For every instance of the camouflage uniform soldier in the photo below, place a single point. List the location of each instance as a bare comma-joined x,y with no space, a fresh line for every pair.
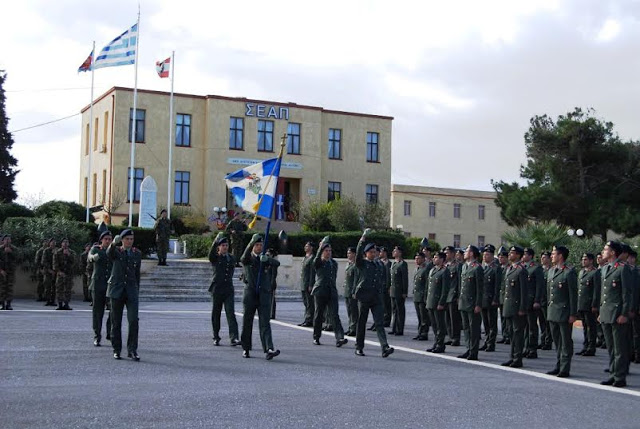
39,274
235,230
64,262
9,258
162,228
100,265
83,272
48,272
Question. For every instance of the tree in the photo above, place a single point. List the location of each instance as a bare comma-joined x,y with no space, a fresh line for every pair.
579,174
8,210
7,161
343,214
61,209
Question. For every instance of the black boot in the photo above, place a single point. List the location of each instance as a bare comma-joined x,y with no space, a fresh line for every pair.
2,308
66,306
60,306
8,306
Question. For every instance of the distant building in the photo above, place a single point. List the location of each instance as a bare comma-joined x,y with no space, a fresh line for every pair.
329,153
455,217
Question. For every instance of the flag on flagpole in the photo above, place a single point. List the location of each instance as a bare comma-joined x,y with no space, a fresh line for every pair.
280,207
86,65
254,187
163,67
121,51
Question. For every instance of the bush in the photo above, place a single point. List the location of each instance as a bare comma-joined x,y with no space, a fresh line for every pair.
343,215
62,209
134,220
316,217
8,210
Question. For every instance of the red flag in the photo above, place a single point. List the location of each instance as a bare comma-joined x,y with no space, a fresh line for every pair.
162,67
86,65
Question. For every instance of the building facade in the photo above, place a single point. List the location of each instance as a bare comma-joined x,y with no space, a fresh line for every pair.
455,217
328,153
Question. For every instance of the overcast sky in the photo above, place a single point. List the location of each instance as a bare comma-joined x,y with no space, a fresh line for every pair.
461,78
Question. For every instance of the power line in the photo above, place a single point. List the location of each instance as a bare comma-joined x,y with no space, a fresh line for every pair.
48,89
44,123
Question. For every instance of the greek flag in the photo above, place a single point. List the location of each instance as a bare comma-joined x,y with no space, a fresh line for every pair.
254,187
280,207
120,52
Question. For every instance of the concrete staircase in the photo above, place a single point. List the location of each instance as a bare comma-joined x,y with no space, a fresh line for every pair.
189,279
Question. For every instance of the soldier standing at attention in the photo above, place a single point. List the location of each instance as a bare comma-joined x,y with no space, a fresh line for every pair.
257,297
562,290
545,333
491,279
39,273
387,302
162,228
124,285
454,319
235,229
349,288
436,302
515,305
98,286
503,261
83,272
307,279
589,286
600,342
48,273
64,263
470,301
325,293
274,281
221,289
535,286
420,282
368,292
399,290
9,259
635,322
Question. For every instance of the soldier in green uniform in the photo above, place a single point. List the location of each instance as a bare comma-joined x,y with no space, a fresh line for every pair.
48,273
399,290
387,302
221,289
589,285
436,301
272,253
257,297
235,230
615,304
545,333
123,289
9,259
325,293
64,264
349,288
100,274
83,272
562,290
491,280
454,319
535,286
600,342
162,229
307,279
635,320
515,305
368,292
470,301
624,256
503,262
420,283
39,273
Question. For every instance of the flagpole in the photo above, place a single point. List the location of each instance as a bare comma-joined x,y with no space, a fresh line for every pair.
132,178
172,70
89,182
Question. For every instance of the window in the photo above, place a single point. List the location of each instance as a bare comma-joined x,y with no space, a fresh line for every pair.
480,241
236,127
456,240
372,194
86,140
138,175
432,236
407,208
105,132
86,186
432,209
293,139
94,189
481,212
335,136
372,147
140,115
95,135
183,129
104,186
265,136
456,211
335,189
181,188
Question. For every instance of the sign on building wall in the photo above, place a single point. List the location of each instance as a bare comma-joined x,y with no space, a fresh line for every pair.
243,161
264,111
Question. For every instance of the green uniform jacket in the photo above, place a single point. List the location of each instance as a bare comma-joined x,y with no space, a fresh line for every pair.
562,290
223,268
503,278
47,258
491,280
124,281
421,282
307,274
82,268
616,298
162,228
399,279
369,275
251,266
64,263
38,258
543,300
386,275
589,285
9,260
349,279
326,275
237,226
454,281
471,286
515,290
439,279
102,265
535,283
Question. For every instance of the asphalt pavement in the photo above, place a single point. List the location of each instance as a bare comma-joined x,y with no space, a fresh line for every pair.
51,376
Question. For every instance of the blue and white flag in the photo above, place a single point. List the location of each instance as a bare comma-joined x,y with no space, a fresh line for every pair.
120,52
254,187
280,207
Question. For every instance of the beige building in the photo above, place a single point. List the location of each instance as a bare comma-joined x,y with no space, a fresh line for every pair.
329,153
455,217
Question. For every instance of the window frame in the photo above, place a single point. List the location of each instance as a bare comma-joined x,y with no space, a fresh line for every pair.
136,186
371,145
369,187
293,139
331,195
332,142
264,134
432,204
233,128
457,241
178,188
457,211
482,212
407,205
141,122
181,133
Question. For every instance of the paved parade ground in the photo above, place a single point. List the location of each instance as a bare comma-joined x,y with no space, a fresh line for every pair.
53,377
